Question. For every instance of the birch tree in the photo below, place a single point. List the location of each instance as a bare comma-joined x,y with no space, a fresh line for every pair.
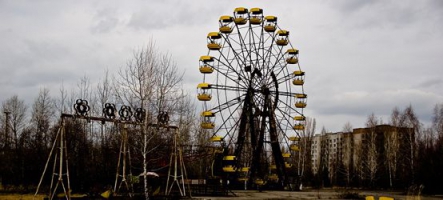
307,136
372,153
392,146
348,150
150,80
410,121
135,86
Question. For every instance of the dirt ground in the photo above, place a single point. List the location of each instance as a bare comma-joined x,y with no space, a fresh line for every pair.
276,195
319,194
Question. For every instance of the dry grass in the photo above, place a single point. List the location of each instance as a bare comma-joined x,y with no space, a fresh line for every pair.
21,197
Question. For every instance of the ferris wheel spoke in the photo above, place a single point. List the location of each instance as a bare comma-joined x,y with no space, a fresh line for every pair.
229,123
228,88
236,57
221,107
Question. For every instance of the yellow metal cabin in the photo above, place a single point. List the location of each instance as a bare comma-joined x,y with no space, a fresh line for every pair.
256,16
240,16
205,66
301,100
270,23
282,38
299,78
207,121
225,24
229,162
202,93
213,39
291,56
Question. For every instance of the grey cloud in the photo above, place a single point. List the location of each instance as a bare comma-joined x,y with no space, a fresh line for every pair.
105,20
184,13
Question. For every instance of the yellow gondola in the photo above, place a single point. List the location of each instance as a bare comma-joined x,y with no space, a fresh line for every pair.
256,16
292,53
282,39
239,16
203,96
270,23
212,41
294,138
224,24
286,155
205,68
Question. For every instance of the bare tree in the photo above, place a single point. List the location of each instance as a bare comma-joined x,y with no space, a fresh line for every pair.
437,121
347,158
103,95
167,92
372,153
150,80
307,137
135,86
42,118
60,103
410,121
16,110
392,146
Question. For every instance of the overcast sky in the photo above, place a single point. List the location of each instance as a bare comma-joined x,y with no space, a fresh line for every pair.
360,57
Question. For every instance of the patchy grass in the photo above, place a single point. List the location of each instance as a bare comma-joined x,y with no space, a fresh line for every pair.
21,197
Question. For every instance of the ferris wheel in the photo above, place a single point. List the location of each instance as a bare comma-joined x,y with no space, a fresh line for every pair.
253,97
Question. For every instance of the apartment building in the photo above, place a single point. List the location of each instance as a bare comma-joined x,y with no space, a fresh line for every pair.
326,150
350,148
